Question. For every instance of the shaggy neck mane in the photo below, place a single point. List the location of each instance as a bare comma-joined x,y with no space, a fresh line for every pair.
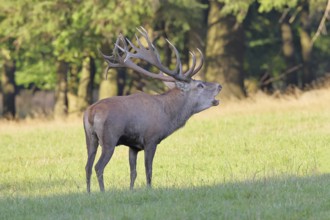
176,106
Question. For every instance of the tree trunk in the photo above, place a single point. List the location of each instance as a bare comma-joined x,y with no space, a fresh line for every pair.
306,45
121,81
198,33
225,52
86,82
288,53
61,90
108,87
9,89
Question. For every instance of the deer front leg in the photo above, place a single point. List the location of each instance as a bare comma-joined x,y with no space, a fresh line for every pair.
149,154
132,164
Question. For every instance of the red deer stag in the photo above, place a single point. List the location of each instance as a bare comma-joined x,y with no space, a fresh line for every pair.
141,121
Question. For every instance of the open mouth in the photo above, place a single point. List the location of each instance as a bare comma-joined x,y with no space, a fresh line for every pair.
216,102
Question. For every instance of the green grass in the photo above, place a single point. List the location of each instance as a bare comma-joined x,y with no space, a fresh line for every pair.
259,159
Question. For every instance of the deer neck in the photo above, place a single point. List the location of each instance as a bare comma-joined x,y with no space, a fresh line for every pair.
177,107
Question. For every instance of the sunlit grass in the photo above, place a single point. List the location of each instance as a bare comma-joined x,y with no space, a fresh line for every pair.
260,158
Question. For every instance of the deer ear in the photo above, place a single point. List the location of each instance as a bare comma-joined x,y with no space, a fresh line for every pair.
182,85
170,85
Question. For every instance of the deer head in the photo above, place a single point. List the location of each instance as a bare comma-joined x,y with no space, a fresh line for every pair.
125,51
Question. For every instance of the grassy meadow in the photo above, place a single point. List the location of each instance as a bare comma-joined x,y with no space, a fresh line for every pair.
261,158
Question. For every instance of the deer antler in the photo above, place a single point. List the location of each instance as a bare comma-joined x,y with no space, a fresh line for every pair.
122,57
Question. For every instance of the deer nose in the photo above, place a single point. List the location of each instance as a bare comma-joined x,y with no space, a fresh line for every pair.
219,87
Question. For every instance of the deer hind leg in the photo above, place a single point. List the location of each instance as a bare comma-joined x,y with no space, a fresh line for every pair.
132,164
107,152
92,144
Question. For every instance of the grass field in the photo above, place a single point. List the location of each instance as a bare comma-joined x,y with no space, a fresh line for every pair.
261,158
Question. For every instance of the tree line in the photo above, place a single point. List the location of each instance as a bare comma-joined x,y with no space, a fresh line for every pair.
54,45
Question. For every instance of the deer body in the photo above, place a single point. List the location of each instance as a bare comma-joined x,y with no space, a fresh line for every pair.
141,121
144,114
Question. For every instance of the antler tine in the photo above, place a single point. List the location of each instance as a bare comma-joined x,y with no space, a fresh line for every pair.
190,71
107,59
117,46
115,60
112,61
131,44
144,33
178,62
139,42
199,67
177,72
155,55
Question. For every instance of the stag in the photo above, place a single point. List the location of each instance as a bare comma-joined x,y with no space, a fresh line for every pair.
141,121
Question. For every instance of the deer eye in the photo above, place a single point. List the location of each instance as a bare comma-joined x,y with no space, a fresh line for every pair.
200,86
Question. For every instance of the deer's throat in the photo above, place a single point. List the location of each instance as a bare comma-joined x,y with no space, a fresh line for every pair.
177,107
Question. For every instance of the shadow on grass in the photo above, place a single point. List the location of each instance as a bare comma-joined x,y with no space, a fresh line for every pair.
272,198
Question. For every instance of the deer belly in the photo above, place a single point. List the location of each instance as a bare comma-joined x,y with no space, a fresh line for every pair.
131,141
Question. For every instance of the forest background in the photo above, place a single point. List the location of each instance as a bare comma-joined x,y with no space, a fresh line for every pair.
49,50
